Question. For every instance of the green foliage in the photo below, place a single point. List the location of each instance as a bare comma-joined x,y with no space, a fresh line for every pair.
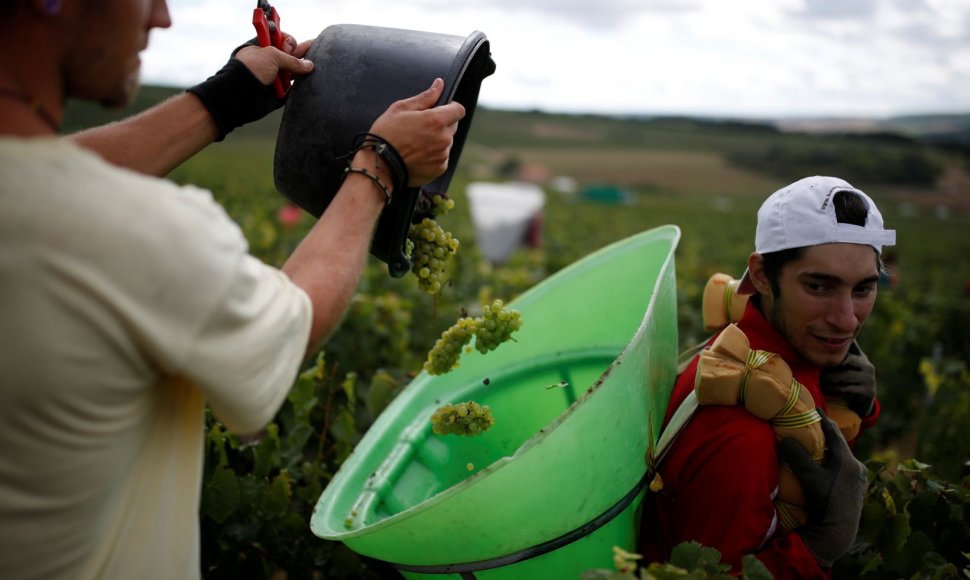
258,493
917,338
374,335
858,160
688,560
914,525
944,428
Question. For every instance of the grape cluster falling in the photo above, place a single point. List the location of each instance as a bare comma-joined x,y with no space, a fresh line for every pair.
430,247
446,351
494,327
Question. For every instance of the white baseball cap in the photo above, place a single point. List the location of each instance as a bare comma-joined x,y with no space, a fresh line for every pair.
802,214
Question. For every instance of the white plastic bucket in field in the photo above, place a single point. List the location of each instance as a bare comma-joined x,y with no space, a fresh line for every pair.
502,214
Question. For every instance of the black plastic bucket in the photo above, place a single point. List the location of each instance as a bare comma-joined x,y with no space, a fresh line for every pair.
358,72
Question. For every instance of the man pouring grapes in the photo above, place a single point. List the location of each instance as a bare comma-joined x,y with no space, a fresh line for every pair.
129,302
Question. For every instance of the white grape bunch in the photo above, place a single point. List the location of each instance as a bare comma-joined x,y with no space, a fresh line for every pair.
433,204
495,326
492,328
446,351
462,419
442,204
433,247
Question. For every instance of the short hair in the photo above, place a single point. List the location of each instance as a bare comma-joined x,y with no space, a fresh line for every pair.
850,208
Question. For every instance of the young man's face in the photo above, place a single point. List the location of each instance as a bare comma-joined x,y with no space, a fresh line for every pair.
824,298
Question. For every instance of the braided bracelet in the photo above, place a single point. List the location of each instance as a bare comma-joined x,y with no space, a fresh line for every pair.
373,177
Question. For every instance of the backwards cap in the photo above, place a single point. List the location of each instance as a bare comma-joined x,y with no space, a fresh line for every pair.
802,214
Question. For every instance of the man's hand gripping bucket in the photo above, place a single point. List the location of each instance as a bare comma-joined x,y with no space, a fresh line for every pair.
358,72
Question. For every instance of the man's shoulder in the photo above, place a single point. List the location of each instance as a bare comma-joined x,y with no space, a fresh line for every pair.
62,191
723,437
736,419
70,215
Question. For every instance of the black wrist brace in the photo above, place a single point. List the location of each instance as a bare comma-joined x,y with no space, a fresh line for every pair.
234,96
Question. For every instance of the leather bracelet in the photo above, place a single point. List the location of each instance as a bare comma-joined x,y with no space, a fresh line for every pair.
385,151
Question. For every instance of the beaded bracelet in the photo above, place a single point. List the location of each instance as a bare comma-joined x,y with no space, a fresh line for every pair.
373,177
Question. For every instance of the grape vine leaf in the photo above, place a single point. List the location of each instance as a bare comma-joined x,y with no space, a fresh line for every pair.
220,495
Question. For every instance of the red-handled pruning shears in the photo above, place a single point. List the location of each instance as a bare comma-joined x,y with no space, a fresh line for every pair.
267,23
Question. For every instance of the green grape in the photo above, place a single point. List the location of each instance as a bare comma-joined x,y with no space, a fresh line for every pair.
433,204
442,204
446,351
462,419
433,247
495,326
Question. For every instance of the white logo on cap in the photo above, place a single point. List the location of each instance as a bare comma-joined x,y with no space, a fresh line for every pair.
825,200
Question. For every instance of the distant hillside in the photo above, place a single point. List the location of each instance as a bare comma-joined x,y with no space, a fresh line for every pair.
897,151
490,124
80,115
940,129
951,130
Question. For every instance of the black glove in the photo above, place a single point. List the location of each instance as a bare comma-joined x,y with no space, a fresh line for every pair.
834,490
234,96
853,381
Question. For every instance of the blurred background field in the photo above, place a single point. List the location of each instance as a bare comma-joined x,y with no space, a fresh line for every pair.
706,176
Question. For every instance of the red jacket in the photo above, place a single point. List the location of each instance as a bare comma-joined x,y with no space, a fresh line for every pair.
721,474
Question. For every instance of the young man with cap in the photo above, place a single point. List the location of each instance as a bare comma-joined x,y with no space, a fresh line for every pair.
813,278
128,302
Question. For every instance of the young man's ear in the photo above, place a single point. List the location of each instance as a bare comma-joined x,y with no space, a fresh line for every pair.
756,272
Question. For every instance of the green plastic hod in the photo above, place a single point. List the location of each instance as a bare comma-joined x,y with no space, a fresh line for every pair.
559,461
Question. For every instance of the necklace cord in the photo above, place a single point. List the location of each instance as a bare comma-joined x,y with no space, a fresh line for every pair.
34,106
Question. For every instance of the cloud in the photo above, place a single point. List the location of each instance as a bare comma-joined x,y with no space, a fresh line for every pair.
836,9
605,14
753,58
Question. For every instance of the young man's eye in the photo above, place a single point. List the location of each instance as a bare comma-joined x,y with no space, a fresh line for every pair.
865,290
815,287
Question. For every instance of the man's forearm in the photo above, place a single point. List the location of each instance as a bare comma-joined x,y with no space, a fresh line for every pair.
328,263
155,141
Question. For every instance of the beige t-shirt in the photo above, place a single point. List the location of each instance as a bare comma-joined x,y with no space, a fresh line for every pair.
126,303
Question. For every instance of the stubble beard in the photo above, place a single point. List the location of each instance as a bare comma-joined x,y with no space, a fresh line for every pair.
125,92
776,316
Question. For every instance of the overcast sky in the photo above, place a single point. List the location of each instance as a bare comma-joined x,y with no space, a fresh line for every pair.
744,58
